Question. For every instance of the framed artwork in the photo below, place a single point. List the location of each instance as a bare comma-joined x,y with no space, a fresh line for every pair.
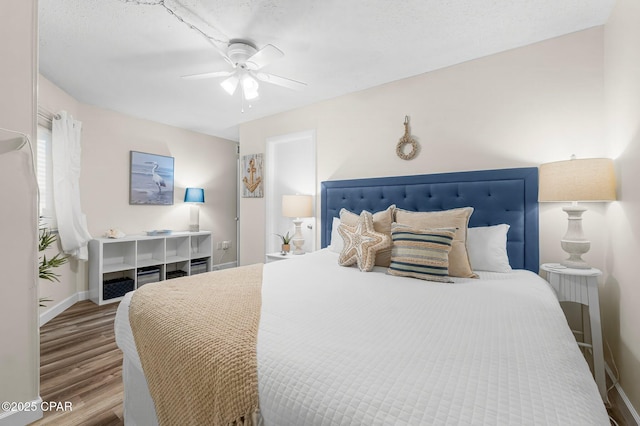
252,172
151,179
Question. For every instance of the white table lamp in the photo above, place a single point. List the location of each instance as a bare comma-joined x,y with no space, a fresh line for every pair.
591,179
196,197
297,207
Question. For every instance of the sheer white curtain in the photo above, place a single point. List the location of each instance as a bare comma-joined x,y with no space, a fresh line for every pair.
72,223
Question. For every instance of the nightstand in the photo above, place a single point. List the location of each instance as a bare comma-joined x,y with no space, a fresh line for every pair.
581,286
275,256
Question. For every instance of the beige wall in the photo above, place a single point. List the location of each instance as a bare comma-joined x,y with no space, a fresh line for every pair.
523,107
621,292
19,335
107,138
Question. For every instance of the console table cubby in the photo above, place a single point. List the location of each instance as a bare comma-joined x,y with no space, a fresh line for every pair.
114,264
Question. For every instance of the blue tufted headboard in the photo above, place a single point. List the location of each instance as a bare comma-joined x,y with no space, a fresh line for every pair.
497,196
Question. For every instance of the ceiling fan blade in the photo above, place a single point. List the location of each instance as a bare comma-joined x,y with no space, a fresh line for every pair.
281,81
263,57
207,75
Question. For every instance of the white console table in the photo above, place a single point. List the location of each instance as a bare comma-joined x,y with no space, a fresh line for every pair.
118,262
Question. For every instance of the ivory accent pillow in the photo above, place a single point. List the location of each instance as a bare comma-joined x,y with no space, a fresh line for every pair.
421,253
487,247
382,221
459,265
362,242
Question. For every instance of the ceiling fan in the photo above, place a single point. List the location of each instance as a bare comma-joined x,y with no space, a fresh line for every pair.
247,61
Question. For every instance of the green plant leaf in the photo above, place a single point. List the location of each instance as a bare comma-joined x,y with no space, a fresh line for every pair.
46,266
42,300
286,239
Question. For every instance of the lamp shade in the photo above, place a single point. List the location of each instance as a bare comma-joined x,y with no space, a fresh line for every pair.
297,206
249,87
590,179
194,195
230,84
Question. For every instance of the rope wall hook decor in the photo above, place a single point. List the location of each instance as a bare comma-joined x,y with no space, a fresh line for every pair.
407,140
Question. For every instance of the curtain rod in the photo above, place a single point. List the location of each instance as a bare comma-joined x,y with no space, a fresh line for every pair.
46,114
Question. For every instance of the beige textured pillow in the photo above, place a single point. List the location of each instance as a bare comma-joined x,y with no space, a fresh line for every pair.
381,222
459,265
362,242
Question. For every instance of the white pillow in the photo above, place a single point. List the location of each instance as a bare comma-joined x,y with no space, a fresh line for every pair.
337,243
487,248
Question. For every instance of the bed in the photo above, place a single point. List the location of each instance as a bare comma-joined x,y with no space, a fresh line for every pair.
339,346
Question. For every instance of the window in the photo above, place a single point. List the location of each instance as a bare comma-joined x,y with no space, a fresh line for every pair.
44,172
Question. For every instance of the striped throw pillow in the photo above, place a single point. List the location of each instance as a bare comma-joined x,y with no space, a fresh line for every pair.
421,253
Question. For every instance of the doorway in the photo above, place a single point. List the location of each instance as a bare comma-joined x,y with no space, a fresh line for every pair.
290,169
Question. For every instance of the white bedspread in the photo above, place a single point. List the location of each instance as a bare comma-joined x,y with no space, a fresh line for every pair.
372,349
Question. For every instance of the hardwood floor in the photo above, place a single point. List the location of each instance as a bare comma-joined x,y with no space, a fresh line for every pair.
80,363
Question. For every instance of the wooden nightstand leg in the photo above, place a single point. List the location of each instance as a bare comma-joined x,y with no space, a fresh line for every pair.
596,340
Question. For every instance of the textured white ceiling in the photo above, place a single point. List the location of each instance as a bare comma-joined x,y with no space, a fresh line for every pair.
129,57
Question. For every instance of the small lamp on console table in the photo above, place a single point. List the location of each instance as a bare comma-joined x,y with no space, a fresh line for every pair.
194,196
297,207
590,179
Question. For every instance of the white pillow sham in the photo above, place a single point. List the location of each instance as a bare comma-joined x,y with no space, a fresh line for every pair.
487,248
337,243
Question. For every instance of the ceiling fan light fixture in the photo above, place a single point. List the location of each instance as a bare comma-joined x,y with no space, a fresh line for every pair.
230,84
247,62
250,87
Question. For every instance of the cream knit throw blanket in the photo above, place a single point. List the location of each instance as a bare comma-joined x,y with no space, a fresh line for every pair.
196,338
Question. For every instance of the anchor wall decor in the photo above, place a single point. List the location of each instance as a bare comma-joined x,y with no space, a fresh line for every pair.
252,172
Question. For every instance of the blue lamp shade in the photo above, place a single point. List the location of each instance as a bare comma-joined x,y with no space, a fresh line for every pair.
194,195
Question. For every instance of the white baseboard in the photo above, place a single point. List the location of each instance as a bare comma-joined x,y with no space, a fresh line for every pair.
224,266
631,415
20,418
57,309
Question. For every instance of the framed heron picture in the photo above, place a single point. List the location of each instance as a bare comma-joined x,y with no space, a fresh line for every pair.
151,179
